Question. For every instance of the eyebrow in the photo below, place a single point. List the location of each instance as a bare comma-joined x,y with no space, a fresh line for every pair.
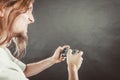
30,7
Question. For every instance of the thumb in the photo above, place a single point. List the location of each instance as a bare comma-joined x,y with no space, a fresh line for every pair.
69,52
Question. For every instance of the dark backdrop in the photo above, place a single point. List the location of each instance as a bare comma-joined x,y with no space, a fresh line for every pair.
90,25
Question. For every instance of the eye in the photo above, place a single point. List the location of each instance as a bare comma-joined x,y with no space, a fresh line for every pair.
30,8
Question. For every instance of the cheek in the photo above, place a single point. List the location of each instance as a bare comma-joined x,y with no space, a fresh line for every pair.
20,23
22,19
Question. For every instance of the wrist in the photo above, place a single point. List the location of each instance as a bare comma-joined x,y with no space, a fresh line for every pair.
53,60
72,67
73,72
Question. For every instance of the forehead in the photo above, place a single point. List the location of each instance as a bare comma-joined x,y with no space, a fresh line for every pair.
31,5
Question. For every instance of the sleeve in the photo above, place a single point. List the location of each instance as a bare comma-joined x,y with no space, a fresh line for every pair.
9,74
16,61
7,70
3,58
20,64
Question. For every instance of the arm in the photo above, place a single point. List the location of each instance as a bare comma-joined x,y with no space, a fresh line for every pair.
73,73
35,68
74,62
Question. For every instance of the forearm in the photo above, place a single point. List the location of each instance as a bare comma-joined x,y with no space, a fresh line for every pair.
35,68
72,73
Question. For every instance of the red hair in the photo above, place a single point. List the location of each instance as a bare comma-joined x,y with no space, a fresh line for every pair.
13,8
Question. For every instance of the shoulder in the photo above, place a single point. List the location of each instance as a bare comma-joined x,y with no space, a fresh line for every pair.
4,54
2,51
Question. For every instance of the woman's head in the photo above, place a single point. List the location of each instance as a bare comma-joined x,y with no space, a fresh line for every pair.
15,15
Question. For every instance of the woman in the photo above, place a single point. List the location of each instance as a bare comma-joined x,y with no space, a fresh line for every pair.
15,15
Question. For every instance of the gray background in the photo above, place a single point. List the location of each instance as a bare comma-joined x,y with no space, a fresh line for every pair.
90,25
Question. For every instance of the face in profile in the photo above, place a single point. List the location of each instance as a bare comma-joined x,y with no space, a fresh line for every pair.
15,15
20,28
20,24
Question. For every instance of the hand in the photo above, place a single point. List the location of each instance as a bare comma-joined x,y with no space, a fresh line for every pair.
57,54
74,60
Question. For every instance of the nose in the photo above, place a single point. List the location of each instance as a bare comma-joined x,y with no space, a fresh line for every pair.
31,19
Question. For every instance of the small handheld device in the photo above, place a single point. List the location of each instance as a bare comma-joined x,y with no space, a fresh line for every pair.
75,51
64,52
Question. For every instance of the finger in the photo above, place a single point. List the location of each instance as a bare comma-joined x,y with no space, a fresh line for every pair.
81,59
81,53
62,48
62,59
69,52
66,46
59,48
62,56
